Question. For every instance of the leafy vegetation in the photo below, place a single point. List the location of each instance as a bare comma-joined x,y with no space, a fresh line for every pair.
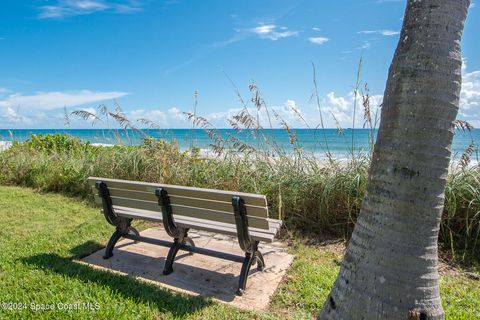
56,144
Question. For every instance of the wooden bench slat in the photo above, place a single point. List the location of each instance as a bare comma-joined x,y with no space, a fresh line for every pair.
197,224
138,214
178,210
184,201
124,193
190,192
220,216
272,231
274,225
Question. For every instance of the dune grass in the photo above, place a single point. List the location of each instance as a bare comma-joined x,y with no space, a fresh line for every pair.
44,234
299,187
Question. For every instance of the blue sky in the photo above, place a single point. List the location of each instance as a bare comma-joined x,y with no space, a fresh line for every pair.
151,56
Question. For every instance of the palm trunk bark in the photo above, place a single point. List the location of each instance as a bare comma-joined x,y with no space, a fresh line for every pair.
390,268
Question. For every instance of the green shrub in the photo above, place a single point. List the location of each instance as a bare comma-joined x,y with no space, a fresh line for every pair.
56,143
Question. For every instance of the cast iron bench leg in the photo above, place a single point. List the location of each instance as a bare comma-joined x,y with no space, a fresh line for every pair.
250,260
260,261
171,257
172,253
190,242
133,231
111,243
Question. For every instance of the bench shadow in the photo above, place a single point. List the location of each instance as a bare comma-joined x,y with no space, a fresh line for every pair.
207,283
129,287
86,249
202,279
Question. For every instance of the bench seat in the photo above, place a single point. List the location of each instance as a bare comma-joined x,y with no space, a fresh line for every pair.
199,224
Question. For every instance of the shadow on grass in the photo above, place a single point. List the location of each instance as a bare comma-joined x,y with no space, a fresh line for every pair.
163,300
86,249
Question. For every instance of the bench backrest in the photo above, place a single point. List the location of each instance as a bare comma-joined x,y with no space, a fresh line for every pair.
205,204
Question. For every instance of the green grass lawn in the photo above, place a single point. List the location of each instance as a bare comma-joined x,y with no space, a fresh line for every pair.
42,236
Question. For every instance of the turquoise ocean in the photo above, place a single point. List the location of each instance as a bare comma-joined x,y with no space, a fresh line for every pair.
311,140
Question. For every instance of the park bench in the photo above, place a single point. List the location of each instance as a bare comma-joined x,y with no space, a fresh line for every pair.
180,208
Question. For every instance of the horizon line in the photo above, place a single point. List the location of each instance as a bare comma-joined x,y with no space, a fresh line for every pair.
179,128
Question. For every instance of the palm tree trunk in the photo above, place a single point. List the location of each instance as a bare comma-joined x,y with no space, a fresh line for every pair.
390,268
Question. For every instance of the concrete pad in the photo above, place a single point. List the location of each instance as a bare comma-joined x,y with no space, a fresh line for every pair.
198,274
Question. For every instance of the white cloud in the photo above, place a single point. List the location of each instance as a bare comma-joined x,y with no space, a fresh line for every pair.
332,105
137,113
171,118
263,30
384,32
12,117
57,99
293,115
341,108
291,106
176,113
158,117
90,110
289,112
67,8
365,45
316,29
318,40
35,110
337,102
222,116
470,96
389,33
175,118
272,32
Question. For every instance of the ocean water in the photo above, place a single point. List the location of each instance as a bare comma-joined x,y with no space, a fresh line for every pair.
311,140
